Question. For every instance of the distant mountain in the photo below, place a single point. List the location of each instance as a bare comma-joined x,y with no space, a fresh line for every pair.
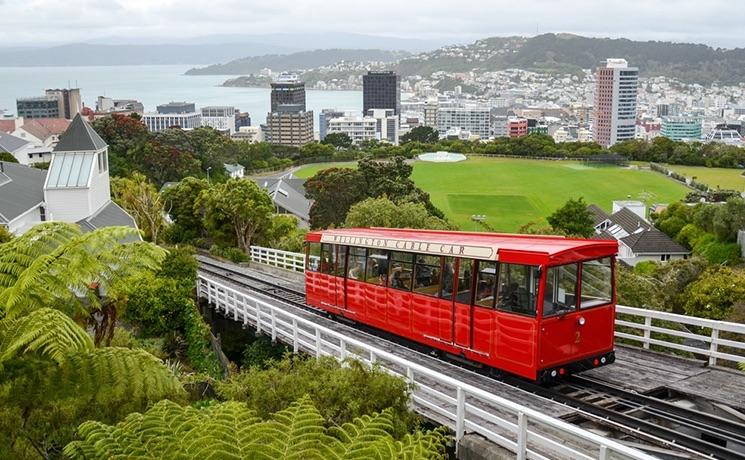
297,61
84,54
567,53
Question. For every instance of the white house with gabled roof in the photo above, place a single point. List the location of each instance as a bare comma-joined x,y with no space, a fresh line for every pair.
75,188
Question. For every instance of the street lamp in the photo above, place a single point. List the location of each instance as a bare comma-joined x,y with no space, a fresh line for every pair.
208,174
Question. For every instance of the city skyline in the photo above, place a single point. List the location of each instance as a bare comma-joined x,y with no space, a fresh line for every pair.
45,23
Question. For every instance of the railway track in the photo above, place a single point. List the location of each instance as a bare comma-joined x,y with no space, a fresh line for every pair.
689,432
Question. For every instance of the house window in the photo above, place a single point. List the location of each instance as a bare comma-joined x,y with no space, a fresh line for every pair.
100,162
42,214
665,257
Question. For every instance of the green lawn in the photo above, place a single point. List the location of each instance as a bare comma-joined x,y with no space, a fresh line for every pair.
714,177
512,192
309,170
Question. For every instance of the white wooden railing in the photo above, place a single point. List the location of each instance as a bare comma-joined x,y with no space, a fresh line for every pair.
707,343
700,344
294,261
459,406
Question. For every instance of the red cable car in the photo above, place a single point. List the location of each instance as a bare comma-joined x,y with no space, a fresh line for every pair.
539,307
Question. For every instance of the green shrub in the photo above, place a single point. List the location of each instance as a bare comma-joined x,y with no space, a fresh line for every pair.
230,253
341,393
262,351
716,252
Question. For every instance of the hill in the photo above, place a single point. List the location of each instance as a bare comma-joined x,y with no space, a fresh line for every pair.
297,61
567,53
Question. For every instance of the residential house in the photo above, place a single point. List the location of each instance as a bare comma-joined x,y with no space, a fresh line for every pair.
235,170
638,240
74,189
288,196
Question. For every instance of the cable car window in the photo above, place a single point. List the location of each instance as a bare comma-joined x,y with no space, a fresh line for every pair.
402,270
314,257
597,283
448,278
377,267
427,275
517,288
465,276
327,259
356,264
560,295
340,253
486,284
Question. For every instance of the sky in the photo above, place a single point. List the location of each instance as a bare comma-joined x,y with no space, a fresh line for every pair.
50,22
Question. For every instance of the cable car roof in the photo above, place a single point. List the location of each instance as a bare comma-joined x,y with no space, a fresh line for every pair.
474,245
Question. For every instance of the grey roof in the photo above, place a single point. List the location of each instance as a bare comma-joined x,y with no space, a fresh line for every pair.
653,242
110,215
79,137
598,215
21,189
285,194
10,143
629,221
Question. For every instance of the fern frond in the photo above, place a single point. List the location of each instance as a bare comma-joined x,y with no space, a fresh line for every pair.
47,332
55,264
231,430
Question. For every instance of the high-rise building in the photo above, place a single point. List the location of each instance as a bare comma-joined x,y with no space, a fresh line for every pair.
474,119
289,123
69,101
324,118
220,118
289,128
242,119
38,107
381,90
681,128
290,93
614,114
430,114
537,126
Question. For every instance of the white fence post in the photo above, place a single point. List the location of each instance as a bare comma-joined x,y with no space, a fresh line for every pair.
647,332
522,436
460,415
713,347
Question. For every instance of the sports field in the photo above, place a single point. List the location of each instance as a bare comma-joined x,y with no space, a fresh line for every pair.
513,192
714,177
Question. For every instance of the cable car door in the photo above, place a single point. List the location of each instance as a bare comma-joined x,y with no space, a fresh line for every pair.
462,309
340,254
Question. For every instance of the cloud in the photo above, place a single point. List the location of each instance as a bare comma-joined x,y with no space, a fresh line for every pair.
48,21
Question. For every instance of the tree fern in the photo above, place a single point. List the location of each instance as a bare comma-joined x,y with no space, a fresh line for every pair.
47,332
231,430
56,264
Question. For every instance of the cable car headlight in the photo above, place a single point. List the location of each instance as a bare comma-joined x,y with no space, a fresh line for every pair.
581,320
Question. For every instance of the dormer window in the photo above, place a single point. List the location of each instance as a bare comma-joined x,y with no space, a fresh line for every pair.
103,162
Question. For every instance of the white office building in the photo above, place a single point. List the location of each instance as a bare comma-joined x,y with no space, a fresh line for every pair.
221,118
161,121
359,129
386,124
475,119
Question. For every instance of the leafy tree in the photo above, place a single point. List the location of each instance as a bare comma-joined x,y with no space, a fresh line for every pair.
338,140
179,201
423,134
7,156
573,219
341,393
163,162
333,192
137,195
239,205
728,219
382,212
126,137
714,294
295,432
